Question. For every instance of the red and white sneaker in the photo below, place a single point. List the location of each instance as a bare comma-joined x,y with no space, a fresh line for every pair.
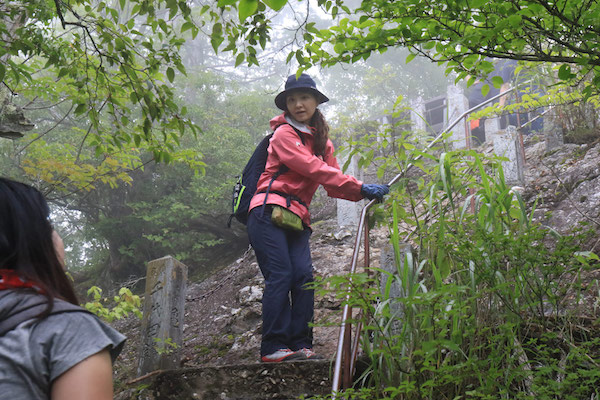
284,355
310,354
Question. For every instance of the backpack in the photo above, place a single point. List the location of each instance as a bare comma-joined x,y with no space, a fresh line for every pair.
245,187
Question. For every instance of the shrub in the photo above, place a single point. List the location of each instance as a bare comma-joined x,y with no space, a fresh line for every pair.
490,303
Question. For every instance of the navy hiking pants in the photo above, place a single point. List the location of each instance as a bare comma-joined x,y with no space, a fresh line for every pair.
284,260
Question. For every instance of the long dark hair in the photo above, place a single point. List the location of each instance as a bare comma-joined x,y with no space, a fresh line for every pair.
321,134
26,244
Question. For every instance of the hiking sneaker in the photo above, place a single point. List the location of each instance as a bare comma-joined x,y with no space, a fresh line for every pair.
310,354
284,355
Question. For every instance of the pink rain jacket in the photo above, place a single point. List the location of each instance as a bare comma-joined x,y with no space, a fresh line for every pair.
306,173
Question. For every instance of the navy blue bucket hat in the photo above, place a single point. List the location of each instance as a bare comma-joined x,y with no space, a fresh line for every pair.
305,82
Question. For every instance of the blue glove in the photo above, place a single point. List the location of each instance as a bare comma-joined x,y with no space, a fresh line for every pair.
374,191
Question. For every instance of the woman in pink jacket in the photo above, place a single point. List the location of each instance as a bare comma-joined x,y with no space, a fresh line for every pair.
300,158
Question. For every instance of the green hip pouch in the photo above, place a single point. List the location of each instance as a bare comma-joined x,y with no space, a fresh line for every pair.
284,218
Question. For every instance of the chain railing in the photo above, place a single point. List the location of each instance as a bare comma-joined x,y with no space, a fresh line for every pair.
347,348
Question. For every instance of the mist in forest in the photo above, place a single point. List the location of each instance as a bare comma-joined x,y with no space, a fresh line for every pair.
119,209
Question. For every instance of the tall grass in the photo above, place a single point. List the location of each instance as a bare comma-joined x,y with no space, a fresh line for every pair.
486,306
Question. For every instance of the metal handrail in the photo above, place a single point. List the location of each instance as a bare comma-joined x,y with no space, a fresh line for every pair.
344,337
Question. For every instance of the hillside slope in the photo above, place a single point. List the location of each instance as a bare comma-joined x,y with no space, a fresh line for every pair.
222,318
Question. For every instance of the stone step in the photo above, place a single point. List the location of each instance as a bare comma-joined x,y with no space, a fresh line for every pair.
286,380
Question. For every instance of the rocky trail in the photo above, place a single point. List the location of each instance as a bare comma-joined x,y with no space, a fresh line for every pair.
222,313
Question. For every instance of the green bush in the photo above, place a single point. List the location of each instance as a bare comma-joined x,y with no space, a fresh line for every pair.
123,304
490,300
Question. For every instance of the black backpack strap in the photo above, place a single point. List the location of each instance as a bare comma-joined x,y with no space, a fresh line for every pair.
288,197
282,170
36,309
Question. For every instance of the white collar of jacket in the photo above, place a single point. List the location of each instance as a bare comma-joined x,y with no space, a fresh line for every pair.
298,125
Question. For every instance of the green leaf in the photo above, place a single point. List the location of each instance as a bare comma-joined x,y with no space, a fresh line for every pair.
2,72
180,67
477,3
485,90
146,127
289,57
339,48
217,29
239,59
275,4
170,74
334,11
119,44
62,72
497,81
186,25
564,72
80,108
173,8
478,17
163,25
515,20
246,8
410,57
216,41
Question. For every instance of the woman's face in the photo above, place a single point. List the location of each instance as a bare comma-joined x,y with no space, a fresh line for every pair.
301,105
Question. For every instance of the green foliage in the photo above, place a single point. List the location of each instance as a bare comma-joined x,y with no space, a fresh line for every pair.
458,33
105,64
113,229
489,305
173,209
124,304
167,346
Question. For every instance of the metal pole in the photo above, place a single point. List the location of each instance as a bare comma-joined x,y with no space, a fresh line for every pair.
335,386
346,310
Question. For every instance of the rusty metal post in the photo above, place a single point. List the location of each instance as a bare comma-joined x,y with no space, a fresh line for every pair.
347,355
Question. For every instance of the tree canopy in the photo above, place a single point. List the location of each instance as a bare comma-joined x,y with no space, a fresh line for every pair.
107,87
462,34
110,61
103,77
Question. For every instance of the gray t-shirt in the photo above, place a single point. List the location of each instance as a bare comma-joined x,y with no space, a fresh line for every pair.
36,352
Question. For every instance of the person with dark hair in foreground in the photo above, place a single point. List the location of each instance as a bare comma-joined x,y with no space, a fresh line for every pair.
279,220
60,351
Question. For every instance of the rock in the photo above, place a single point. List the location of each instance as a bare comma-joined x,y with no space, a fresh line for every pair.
281,381
250,294
342,234
565,183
